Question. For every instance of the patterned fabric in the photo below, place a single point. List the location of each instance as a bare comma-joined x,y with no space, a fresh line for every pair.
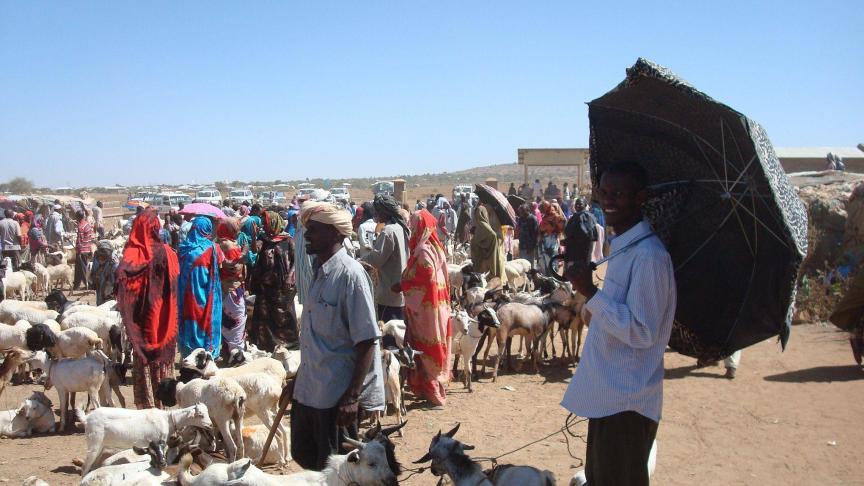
84,242
145,381
200,302
426,288
146,281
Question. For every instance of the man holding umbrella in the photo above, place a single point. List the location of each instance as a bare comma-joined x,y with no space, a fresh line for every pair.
618,385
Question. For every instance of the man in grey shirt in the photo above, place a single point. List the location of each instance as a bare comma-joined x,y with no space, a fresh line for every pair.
54,227
98,221
10,239
389,256
340,356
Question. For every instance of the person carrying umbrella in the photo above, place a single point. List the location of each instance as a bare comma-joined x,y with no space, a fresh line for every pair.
487,253
618,384
200,290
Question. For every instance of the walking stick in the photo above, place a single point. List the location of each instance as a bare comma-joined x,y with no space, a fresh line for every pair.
284,400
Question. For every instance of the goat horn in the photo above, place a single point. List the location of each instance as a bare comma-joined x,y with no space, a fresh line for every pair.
355,443
453,431
390,430
373,432
426,458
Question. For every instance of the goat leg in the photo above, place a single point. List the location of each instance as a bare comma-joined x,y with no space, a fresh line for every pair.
477,352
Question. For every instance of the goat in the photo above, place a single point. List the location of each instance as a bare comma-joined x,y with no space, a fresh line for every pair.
372,463
225,402
107,326
392,384
515,318
16,423
43,278
120,428
290,359
133,472
517,272
262,380
73,375
71,343
448,457
466,335
15,283
42,420
60,275
395,329
14,358
253,445
33,481
12,311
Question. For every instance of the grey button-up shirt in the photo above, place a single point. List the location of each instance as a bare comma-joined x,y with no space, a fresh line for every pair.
339,313
389,256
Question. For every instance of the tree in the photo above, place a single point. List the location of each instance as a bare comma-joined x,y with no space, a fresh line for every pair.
20,185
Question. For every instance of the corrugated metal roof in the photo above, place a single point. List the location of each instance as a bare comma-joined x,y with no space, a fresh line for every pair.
818,152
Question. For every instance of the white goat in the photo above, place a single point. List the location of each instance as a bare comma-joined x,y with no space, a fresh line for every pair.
466,336
392,384
106,325
253,444
109,428
12,311
225,402
60,276
261,379
74,342
15,283
517,272
147,470
72,375
290,359
16,423
396,329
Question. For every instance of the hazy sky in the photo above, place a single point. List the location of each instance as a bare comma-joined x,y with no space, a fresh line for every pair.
144,92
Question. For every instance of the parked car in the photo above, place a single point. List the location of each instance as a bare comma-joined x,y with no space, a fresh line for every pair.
211,196
341,194
269,198
167,201
239,195
382,187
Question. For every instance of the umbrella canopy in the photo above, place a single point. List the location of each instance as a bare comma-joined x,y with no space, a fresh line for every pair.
720,201
515,201
494,198
203,209
133,204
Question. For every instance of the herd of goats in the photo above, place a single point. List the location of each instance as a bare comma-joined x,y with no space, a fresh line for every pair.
75,347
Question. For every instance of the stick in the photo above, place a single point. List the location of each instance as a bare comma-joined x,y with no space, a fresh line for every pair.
284,400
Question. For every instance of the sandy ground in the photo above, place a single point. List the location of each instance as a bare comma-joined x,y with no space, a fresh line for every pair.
788,418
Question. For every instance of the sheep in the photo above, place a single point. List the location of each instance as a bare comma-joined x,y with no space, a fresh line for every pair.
225,402
466,335
392,384
290,359
15,283
253,444
262,380
43,417
55,258
448,457
16,423
71,343
579,478
14,336
12,311
395,329
149,467
73,375
43,278
60,276
14,357
107,326
517,272
515,318
372,463
120,428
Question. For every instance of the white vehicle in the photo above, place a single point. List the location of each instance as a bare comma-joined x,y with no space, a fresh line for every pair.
211,196
461,189
240,195
382,187
165,202
306,192
341,194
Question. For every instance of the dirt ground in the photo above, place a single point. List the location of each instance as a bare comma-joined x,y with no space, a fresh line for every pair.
788,418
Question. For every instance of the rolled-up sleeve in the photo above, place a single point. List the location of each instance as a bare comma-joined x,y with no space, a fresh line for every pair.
637,321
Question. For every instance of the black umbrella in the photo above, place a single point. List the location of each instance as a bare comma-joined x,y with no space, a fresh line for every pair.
493,197
515,201
720,201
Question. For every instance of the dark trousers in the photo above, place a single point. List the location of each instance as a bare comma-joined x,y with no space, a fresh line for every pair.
81,261
386,313
315,435
618,449
15,256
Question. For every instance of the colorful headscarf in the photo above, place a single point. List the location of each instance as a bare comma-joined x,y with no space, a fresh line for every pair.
424,227
273,223
200,290
228,228
146,283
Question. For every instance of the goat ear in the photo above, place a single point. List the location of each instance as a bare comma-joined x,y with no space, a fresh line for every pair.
467,447
453,431
354,456
417,352
139,450
426,458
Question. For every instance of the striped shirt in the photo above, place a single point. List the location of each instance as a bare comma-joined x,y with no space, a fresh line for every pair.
631,320
84,241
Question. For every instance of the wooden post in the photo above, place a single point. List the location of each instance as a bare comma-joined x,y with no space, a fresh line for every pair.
492,182
399,191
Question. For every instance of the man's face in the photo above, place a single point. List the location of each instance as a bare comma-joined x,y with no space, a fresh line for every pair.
620,199
320,237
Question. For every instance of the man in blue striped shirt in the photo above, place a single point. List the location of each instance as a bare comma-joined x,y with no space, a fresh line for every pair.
618,385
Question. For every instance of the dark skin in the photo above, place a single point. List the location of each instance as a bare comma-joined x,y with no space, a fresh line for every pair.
323,240
621,200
